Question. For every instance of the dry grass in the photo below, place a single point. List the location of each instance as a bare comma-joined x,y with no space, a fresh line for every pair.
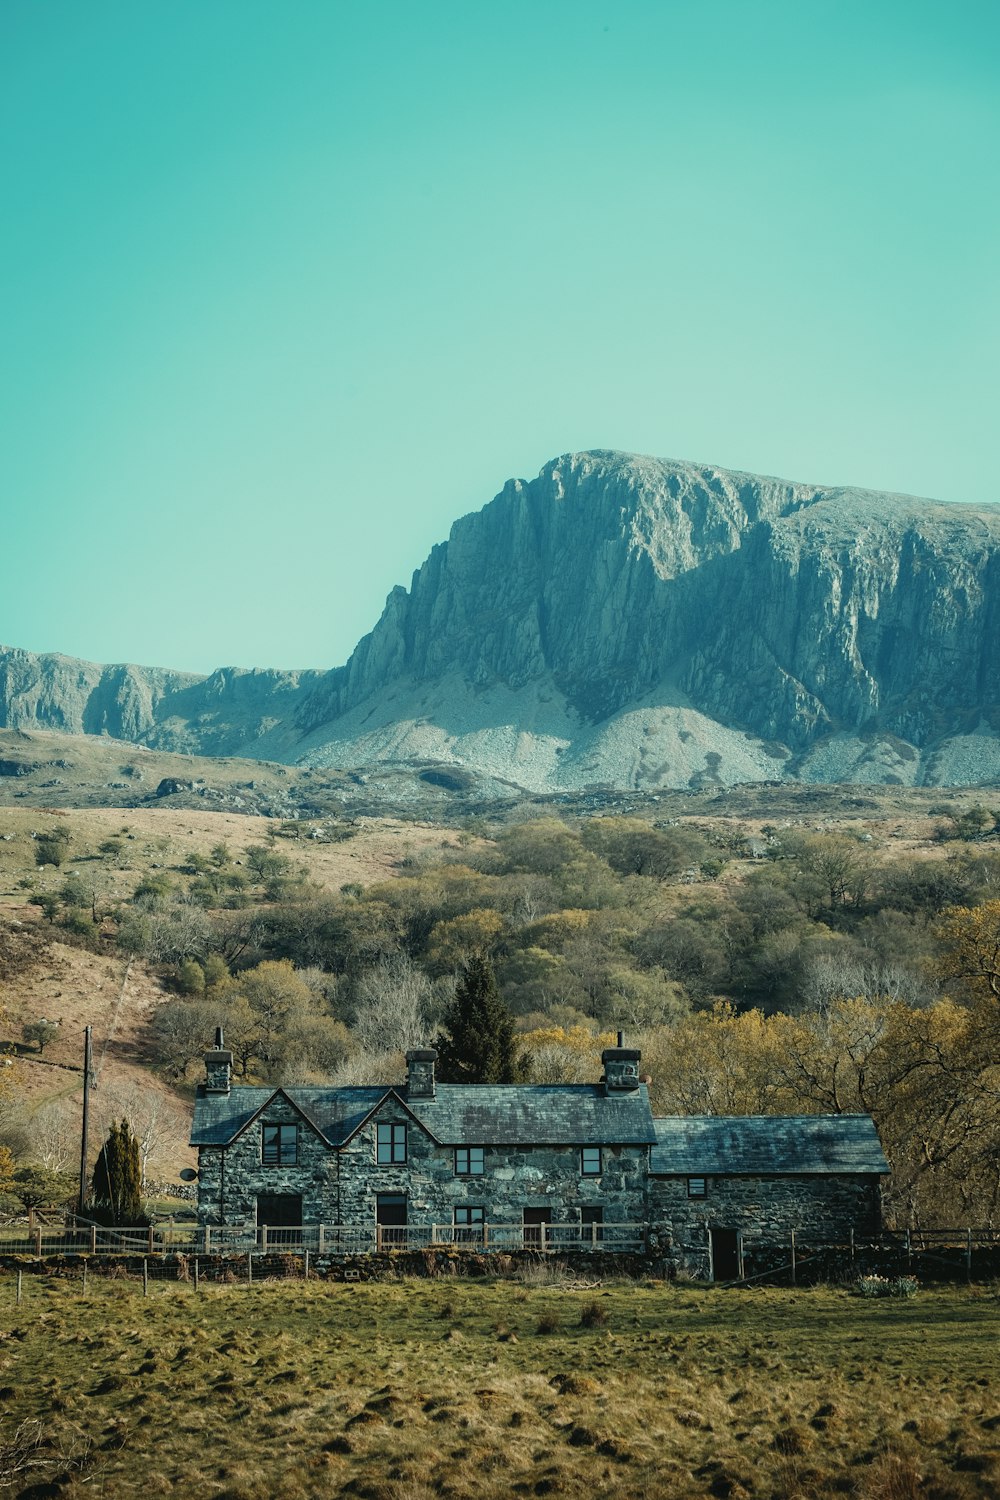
323,1389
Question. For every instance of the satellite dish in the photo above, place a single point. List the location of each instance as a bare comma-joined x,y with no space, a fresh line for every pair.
188,1174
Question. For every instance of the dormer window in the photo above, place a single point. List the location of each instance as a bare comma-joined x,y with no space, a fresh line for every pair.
279,1145
390,1144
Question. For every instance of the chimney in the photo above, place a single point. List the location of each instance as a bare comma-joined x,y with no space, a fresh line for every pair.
621,1067
218,1066
420,1073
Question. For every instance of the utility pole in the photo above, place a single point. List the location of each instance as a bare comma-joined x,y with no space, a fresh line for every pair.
88,1078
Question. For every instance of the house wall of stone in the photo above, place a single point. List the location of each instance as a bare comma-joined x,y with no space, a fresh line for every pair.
229,1179
514,1178
764,1209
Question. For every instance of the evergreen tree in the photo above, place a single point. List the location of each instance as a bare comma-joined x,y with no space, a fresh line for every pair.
480,1044
118,1179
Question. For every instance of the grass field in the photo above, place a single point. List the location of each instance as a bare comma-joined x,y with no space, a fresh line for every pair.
455,1388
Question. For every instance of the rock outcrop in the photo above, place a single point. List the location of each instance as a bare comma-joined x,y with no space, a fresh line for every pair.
628,621
223,714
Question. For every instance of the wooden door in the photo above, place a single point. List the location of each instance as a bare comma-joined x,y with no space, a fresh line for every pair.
726,1255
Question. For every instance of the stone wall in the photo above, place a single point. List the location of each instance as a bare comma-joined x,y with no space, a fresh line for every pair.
230,1179
513,1178
764,1210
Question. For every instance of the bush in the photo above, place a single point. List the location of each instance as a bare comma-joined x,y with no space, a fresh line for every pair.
874,1285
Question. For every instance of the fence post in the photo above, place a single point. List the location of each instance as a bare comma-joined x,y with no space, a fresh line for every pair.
84,1275
38,1241
249,1268
968,1255
145,1277
196,1273
378,1237
263,1238
542,1227
793,1259
909,1252
93,1239
486,1236
149,1241
208,1238
321,1239
307,1265
852,1244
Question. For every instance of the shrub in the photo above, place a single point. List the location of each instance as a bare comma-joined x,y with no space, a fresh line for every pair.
594,1315
873,1285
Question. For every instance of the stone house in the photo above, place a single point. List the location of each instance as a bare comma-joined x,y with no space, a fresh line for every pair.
545,1165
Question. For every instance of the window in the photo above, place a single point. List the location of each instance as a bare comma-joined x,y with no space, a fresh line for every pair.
471,1214
697,1187
469,1221
390,1144
281,1211
468,1161
590,1161
279,1145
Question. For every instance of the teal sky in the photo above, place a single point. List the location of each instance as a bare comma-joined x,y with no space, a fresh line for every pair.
287,287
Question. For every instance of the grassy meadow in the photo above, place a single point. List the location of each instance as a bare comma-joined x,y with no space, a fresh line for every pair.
400,1391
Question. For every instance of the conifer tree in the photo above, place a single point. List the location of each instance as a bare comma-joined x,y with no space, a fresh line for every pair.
480,1044
117,1179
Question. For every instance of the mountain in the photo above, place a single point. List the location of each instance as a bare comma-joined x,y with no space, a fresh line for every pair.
627,621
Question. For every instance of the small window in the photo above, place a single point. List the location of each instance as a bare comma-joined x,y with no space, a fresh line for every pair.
469,1221
590,1161
279,1145
470,1214
468,1161
391,1144
697,1187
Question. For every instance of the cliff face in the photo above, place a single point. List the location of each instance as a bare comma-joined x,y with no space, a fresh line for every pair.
633,621
223,714
778,612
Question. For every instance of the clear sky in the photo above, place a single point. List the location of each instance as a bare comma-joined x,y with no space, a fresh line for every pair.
287,287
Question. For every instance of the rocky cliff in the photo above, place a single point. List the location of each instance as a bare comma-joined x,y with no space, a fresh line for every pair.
629,621
223,714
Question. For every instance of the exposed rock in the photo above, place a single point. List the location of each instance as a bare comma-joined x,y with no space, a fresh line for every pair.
625,622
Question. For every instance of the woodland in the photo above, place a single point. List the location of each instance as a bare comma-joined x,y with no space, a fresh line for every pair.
809,965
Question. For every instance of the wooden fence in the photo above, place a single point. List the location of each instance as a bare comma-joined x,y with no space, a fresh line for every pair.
320,1240
932,1254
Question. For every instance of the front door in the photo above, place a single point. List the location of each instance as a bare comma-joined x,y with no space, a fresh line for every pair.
534,1218
726,1255
390,1218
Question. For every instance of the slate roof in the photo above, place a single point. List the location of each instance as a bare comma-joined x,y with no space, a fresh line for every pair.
765,1145
459,1115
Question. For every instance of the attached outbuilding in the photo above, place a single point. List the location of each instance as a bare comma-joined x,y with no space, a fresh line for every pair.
721,1185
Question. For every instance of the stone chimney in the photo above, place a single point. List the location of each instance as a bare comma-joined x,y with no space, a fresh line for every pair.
621,1067
420,1073
218,1066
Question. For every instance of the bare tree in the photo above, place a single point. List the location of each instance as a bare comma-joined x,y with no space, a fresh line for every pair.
156,1122
394,1001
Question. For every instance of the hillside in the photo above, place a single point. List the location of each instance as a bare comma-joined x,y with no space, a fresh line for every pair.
44,975
625,622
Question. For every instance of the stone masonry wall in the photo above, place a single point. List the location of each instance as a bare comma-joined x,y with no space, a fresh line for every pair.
229,1180
765,1210
514,1178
